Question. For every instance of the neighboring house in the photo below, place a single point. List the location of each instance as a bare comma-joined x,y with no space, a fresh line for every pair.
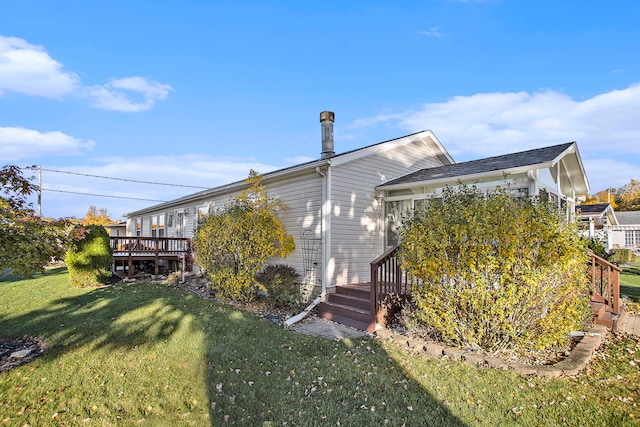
117,229
332,198
344,210
596,222
626,234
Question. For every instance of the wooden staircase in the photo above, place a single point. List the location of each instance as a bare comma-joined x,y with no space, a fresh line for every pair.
350,305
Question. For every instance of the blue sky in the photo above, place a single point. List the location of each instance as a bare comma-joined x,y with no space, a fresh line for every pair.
200,92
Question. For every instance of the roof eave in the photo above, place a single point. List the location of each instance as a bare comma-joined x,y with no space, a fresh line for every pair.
463,178
229,188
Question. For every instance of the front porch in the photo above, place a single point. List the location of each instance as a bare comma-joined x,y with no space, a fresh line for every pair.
361,305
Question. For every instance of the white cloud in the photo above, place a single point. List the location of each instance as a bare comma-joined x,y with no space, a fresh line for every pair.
433,32
28,69
18,143
496,123
117,94
193,170
606,126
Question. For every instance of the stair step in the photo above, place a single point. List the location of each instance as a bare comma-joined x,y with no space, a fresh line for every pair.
350,300
359,290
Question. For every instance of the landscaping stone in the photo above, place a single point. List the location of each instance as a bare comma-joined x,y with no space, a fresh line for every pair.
415,345
383,334
548,371
474,359
433,349
522,369
496,363
453,353
21,353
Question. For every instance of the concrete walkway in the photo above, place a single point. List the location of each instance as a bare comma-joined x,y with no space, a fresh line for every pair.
630,324
324,328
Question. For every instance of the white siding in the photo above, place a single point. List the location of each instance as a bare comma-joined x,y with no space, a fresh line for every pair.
356,223
303,197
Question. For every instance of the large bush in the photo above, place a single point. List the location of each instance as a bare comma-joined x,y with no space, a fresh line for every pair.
495,272
232,244
280,282
89,256
27,242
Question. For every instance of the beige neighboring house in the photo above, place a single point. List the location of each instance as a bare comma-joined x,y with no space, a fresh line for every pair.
626,234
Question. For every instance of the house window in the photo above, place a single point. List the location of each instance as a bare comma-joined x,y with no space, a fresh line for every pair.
170,220
394,213
631,238
157,225
138,227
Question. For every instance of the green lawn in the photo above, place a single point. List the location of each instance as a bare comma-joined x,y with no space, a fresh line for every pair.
152,355
630,281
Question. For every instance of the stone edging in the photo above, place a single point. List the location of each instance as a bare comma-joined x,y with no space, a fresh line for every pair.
577,360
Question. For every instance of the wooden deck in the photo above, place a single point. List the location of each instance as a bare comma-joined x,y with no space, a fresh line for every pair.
138,252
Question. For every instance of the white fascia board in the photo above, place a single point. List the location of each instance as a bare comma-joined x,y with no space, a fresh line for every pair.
387,146
470,177
229,188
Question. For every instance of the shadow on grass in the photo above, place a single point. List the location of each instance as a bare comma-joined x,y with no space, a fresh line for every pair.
259,374
98,318
255,373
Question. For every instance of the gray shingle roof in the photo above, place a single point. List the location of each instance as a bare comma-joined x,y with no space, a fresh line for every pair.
490,164
597,208
628,218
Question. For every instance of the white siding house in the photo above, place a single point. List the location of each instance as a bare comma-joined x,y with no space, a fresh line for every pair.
334,197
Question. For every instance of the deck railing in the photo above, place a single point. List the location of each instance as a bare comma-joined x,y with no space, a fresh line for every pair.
134,249
149,245
386,278
605,283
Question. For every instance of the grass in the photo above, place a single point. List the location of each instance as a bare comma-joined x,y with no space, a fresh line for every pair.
146,353
630,284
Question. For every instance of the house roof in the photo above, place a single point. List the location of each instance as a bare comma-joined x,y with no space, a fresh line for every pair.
508,163
628,218
426,135
595,209
598,211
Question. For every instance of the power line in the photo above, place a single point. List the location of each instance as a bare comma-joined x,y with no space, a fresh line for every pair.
123,179
102,195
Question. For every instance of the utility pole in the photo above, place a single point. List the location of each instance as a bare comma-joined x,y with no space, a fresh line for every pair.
40,191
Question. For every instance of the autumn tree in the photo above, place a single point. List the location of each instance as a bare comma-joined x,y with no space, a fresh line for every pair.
96,216
27,242
604,196
625,198
628,196
233,243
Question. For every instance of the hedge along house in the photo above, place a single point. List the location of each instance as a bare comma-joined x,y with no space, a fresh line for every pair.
333,211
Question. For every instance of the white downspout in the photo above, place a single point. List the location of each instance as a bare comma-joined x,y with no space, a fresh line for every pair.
324,226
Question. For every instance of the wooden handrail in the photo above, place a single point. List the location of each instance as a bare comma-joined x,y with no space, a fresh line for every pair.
605,283
386,278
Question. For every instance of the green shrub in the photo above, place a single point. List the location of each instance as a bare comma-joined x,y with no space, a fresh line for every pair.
89,257
597,247
495,272
232,244
280,282
621,256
